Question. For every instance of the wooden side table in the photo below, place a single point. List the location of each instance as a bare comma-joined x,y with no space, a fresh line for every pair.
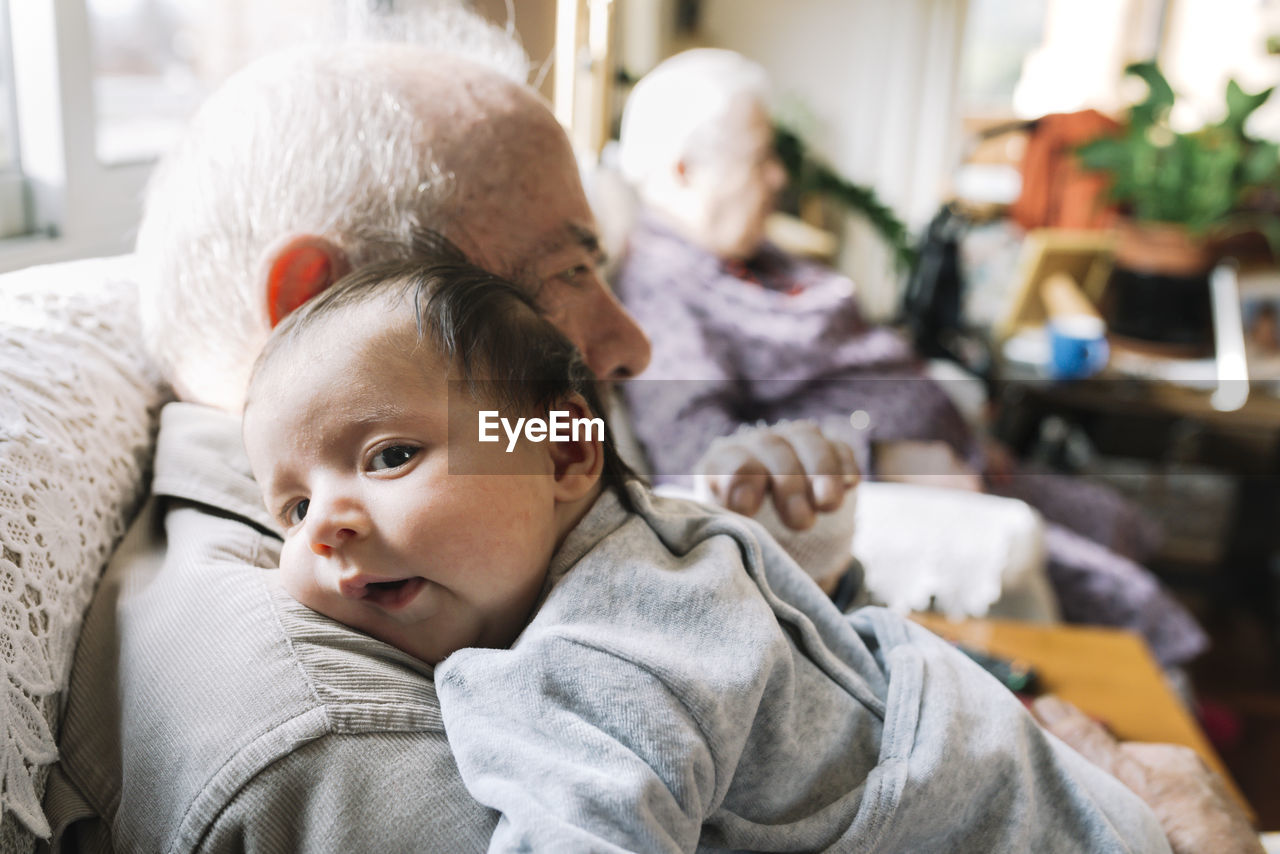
1169,426
1108,674
1146,418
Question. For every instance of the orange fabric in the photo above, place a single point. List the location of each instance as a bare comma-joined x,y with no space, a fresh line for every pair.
1056,192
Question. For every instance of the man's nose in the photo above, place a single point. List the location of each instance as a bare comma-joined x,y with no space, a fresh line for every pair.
334,523
621,348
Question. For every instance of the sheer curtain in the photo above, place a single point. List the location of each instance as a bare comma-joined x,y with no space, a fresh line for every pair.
879,80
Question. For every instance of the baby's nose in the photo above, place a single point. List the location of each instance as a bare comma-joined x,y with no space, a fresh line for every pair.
331,526
325,543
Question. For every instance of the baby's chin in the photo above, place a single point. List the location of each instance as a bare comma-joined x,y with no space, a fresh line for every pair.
427,650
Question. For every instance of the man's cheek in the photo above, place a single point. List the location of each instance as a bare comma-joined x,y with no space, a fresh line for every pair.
570,321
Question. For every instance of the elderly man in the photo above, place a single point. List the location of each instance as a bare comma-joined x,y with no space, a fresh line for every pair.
207,710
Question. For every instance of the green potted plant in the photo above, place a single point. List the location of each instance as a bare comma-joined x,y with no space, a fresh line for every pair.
1179,193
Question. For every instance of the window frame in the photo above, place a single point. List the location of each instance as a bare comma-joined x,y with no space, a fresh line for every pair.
69,204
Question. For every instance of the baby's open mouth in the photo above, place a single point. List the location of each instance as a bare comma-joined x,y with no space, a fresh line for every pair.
393,594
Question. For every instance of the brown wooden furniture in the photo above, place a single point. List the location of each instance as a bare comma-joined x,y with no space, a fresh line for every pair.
1131,417
1108,674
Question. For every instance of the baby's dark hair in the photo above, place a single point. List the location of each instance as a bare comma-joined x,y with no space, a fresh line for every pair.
480,322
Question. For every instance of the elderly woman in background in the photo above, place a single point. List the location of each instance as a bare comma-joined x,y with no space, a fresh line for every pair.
743,332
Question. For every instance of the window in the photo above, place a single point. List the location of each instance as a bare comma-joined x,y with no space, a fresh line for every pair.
13,214
8,140
1026,59
99,88
95,90
1206,43
155,60
145,82
998,36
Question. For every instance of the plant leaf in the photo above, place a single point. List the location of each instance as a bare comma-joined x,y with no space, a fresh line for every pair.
1261,164
1270,228
790,150
1152,109
1240,105
1104,154
809,174
1206,179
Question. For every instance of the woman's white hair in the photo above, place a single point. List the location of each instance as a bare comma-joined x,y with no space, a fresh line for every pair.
317,140
675,109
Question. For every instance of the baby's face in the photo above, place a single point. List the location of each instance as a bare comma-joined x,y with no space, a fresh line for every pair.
349,435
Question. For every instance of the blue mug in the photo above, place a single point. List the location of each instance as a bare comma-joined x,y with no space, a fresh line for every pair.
1077,346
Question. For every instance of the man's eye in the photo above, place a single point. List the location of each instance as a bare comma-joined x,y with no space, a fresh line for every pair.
297,511
577,272
392,457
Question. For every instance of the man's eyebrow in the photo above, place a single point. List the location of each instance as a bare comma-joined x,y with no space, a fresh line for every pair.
586,238
579,236
571,235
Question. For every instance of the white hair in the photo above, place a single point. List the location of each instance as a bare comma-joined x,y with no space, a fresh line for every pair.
674,107
317,140
442,26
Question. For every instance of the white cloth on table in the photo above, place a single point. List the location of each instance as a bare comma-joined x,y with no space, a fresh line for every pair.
924,548
961,553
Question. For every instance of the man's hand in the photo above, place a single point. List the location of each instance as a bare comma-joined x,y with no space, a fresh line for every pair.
1191,802
806,472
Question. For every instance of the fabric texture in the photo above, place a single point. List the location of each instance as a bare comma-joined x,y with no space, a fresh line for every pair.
685,686
781,338
75,443
210,712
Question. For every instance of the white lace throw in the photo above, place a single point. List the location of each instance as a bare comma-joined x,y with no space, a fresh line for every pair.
76,432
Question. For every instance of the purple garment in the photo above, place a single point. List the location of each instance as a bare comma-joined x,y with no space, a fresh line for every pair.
794,345
779,337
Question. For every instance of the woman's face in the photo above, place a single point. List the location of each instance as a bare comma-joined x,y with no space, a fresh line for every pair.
736,176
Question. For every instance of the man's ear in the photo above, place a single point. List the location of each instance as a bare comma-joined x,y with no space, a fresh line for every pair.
297,268
578,462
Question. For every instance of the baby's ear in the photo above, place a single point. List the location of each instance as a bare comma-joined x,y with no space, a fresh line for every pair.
296,268
579,461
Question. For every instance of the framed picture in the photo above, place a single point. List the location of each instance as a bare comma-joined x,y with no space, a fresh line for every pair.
1260,317
1083,255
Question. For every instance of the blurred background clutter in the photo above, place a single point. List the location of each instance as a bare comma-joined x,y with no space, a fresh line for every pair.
1072,208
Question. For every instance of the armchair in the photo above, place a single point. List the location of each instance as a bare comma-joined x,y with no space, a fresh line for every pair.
76,433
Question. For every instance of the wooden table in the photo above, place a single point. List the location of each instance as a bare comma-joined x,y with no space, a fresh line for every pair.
1146,419
1108,674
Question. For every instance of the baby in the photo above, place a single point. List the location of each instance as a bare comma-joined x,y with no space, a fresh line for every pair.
361,425
618,671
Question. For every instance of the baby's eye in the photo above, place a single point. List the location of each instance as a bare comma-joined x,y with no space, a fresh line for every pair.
297,511
392,457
